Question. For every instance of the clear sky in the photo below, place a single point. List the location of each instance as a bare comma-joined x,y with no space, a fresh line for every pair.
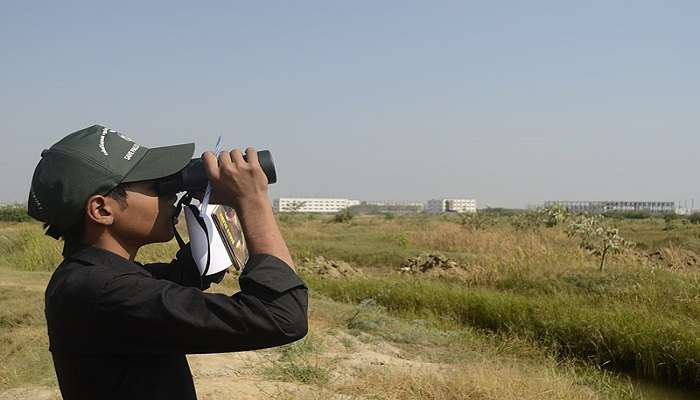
508,102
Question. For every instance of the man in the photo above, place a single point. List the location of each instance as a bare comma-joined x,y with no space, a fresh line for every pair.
119,329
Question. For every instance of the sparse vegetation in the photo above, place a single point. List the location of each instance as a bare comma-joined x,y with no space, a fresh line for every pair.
514,286
14,213
294,364
598,237
344,215
533,220
475,221
644,339
695,218
296,206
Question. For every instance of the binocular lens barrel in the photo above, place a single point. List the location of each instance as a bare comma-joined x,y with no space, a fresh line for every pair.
194,179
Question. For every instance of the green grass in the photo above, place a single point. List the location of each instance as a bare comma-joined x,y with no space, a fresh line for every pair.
541,286
294,363
298,372
453,343
24,247
23,341
14,213
650,342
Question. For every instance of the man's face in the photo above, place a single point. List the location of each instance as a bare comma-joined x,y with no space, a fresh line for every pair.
148,218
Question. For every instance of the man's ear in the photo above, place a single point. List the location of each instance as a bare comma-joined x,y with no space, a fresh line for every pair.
100,209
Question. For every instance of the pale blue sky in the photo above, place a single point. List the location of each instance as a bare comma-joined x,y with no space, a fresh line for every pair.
509,102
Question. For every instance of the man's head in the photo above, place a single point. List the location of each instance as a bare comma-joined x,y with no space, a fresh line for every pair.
96,181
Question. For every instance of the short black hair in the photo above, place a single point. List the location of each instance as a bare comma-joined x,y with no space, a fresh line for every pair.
75,233
119,194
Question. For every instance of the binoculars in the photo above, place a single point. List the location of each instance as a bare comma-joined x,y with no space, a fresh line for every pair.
194,179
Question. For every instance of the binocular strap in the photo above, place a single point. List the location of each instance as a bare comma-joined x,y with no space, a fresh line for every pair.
185,201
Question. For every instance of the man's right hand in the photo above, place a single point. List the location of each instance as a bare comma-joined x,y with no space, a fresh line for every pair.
235,181
243,186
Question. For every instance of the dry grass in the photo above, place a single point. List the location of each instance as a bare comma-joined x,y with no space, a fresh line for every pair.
388,358
24,356
478,382
532,267
362,361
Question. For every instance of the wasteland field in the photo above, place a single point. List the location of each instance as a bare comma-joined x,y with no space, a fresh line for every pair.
499,306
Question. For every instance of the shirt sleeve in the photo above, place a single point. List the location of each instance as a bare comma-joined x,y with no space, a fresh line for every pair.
138,314
183,271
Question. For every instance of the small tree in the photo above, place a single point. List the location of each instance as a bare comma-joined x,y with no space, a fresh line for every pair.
15,212
344,215
528,221
669,222
553,216
475,221
598,237
695,218
534,220
296,206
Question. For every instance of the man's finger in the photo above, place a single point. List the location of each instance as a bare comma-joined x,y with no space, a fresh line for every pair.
225,159
252,156
211,166
237,157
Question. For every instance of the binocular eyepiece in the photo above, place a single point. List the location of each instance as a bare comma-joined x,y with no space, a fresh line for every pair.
194,179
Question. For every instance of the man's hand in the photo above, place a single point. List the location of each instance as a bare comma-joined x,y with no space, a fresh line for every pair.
234,180
243,186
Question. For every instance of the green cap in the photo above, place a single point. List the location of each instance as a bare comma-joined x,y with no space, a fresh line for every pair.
93,161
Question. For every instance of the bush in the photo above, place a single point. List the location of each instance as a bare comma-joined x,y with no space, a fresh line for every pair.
533,220
14,213
476,221
343,216
628,214
501,212
597,236
695,218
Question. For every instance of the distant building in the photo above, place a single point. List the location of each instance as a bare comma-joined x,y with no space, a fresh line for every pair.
683,211
311,205
600,207
451,205
388,208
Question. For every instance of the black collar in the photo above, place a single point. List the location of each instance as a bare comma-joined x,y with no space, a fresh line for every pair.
97,256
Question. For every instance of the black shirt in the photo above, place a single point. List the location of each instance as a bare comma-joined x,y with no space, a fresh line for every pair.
120,330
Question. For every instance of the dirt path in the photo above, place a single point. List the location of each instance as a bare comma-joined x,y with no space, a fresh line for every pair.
246,375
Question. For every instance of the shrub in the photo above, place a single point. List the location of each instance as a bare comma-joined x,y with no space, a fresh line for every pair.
534,220
628,214
343,216
501,212
14,213
695,218
476,221
597,236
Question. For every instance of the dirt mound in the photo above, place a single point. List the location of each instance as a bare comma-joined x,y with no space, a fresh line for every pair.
674,258
432,264
328,268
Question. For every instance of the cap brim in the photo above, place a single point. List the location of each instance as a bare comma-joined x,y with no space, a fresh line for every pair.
160,162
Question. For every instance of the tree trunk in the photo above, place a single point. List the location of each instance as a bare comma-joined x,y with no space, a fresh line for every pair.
602,258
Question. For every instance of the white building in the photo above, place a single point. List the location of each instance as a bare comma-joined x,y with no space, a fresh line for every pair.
391,207
683,211
311,205
451,205
599,207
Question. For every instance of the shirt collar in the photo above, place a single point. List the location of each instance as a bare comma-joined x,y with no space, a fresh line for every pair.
98,256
